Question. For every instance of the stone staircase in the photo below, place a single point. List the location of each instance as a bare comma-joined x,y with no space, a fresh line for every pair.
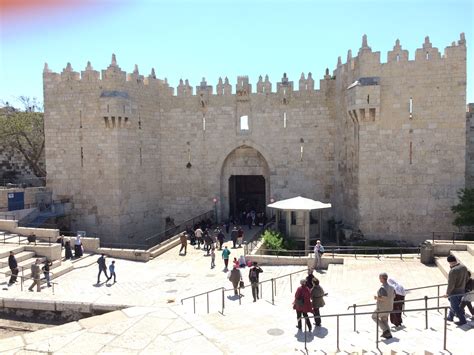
465,257
26,258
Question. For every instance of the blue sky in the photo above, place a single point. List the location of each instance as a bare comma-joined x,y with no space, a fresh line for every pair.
191,39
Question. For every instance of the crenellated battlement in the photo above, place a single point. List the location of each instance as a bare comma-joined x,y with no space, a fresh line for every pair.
365,60
425,54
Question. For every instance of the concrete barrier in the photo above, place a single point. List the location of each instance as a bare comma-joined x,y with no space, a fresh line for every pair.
52,252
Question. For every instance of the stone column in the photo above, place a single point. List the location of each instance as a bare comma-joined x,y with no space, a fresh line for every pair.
288,224
320,224
306,221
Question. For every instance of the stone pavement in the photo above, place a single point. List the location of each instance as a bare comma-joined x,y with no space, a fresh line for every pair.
160,324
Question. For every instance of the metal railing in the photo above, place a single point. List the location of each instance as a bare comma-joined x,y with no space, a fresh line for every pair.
425,298
338,315
23,182
452,236
223,290
7,217
250,245
37,239
24,279
159,238
42,205
353,250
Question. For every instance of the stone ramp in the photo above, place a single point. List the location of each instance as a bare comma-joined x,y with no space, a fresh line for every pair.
465,257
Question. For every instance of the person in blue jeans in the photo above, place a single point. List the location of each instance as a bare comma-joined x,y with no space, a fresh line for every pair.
112,271
457,280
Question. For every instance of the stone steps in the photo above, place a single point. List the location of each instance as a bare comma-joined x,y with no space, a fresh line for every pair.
465,257
5,250
19,256
26,265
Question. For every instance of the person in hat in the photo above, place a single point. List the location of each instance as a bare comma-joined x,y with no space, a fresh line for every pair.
457,279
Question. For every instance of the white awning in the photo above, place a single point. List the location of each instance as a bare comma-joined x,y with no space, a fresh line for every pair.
299,204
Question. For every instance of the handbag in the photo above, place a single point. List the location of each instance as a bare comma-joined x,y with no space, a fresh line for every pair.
241,284
299,302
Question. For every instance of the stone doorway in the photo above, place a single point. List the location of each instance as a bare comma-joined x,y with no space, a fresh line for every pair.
246,194
245,180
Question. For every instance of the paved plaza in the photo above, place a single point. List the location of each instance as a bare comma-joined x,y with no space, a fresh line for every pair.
156,322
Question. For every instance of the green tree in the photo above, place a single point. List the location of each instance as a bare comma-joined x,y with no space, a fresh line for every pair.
23,132
465,208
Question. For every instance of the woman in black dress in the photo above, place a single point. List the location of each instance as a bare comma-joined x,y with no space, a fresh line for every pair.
67,249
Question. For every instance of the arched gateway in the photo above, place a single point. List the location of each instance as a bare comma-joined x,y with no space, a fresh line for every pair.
245,182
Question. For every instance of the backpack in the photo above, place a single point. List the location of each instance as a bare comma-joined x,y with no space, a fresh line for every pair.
253,275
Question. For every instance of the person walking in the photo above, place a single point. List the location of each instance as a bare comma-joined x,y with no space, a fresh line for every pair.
254,273
213,257
318,253
469,296
385,296
457,280
233,236
184,243
112,271
235,277
102,268
13,265
225,256
221,237
317,300
198,235
398,302
35,275
78,247
309,279
45,269
240,236
68,250
302,304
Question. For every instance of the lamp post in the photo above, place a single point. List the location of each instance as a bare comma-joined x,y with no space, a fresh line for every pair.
215,208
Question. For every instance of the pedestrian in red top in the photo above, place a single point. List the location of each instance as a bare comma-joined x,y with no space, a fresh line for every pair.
302,304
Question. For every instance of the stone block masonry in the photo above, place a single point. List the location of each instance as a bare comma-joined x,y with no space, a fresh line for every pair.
385,143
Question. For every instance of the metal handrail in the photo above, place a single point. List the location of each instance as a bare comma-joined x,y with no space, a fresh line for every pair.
170,232
23,279
426,309
333,251
451,235
223,290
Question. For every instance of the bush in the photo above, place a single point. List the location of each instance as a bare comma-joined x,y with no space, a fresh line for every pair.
273,240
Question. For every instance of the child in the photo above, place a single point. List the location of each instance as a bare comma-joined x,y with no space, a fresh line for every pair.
213,257
112,271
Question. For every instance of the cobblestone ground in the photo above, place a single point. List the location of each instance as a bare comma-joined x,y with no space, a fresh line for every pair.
160,324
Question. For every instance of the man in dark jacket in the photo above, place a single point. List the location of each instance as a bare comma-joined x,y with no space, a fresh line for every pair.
457,279
13,265
254,273
102,268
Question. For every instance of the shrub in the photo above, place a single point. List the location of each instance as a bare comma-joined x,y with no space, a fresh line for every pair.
273,240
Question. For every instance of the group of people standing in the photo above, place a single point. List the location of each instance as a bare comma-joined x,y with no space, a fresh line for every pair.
309,298
36,270
68,248
235,276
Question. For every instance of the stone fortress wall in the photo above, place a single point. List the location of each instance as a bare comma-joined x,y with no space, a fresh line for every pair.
385,143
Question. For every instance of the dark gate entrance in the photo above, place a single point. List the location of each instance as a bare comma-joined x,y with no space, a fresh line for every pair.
246,193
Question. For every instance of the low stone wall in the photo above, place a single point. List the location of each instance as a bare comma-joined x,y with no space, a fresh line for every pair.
54,310
128,254
443,249
52,252
308,261
165,246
